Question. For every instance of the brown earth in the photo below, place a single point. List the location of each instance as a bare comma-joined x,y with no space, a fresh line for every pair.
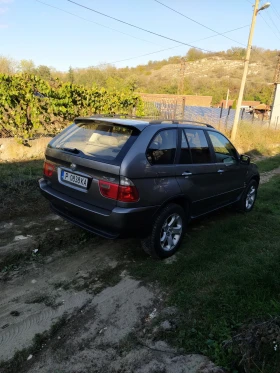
72,289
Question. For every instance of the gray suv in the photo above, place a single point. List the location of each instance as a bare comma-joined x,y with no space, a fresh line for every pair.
120,177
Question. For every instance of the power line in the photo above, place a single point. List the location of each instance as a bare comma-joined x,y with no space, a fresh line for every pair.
99,24
201,24
269,26
273,22
276,11
139,28
143,55
177,46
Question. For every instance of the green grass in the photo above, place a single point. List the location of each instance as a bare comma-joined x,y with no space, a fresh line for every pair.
269,163
227,275
19,191
16,172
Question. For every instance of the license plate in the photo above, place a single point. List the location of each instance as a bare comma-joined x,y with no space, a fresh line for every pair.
74,179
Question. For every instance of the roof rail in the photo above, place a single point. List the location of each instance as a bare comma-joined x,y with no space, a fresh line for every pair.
159,121
108,115
205,124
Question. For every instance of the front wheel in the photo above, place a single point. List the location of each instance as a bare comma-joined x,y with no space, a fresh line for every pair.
248,198
167,233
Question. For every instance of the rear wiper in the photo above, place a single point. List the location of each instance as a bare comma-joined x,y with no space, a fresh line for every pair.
71,150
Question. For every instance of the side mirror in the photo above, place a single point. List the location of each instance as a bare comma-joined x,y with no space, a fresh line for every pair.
245,159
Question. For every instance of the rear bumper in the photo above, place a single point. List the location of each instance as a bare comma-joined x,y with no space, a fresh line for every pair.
122,222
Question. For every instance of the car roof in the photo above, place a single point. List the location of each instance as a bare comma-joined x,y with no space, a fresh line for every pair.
141,124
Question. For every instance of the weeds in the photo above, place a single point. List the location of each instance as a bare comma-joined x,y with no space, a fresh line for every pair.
257,139
19,188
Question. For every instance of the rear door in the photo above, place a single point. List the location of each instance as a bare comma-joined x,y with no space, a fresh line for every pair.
86,153
232,174
196,171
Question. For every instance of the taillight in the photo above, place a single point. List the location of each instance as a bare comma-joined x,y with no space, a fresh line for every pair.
125,192
48,169
128,194
108,190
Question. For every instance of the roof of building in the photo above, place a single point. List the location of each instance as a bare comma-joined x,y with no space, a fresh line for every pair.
262,107
190,100
244,103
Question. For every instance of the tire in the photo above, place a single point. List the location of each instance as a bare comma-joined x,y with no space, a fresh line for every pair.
246,203
162,242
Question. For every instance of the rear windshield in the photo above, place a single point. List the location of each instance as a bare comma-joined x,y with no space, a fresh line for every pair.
97,139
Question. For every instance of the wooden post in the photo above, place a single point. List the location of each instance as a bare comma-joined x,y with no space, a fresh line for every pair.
183,107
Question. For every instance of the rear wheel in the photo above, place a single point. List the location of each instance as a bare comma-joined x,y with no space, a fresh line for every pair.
167,233
248,198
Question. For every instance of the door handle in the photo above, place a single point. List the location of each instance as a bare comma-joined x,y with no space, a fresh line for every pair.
221,171
186,173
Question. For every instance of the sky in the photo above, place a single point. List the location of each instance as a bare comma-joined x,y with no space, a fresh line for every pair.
49,36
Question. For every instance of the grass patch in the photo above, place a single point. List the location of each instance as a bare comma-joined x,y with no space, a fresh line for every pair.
226,278
257,139
269,164
19,191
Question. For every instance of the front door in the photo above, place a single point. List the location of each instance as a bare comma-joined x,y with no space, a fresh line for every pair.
196,172
231,172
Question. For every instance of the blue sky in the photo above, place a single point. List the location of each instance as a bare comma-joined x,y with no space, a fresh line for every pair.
48,36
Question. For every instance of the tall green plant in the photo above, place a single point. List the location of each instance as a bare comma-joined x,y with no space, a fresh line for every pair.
29,105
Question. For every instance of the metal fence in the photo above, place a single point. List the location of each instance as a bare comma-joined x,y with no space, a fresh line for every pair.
217,117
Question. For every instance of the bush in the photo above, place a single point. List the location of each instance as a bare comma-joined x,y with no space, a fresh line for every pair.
30,105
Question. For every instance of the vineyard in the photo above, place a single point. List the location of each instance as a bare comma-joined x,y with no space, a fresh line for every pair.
30,106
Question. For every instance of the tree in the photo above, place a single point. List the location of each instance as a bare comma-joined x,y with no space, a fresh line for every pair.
44,72
27,66
70,75
194,54
7,65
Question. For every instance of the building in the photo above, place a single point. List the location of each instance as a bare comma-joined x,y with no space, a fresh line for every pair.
245,104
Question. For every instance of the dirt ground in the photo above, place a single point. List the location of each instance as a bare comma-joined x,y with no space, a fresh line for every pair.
72,290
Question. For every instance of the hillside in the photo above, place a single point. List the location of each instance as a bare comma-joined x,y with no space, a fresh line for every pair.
213,76
205,74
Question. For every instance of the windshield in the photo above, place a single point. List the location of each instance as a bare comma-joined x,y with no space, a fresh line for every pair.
96,139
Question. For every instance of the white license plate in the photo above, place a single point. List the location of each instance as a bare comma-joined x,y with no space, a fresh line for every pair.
74,179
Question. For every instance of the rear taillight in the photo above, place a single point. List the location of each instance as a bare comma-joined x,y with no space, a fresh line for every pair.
108,190
48,169
125,192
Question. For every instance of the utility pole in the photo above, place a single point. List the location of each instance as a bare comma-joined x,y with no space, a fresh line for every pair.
246,66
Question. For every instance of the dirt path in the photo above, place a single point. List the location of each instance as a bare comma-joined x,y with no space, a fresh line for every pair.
73,289
266,176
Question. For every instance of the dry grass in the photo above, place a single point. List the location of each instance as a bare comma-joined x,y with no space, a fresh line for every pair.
258,139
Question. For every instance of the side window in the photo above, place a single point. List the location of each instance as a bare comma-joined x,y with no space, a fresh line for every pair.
224,150
162,149
198,145
185,155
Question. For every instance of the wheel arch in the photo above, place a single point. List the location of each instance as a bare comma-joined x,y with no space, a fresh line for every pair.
180,200
256,178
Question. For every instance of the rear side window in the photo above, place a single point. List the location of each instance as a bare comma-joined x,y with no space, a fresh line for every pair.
97,139
198,145
162,148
